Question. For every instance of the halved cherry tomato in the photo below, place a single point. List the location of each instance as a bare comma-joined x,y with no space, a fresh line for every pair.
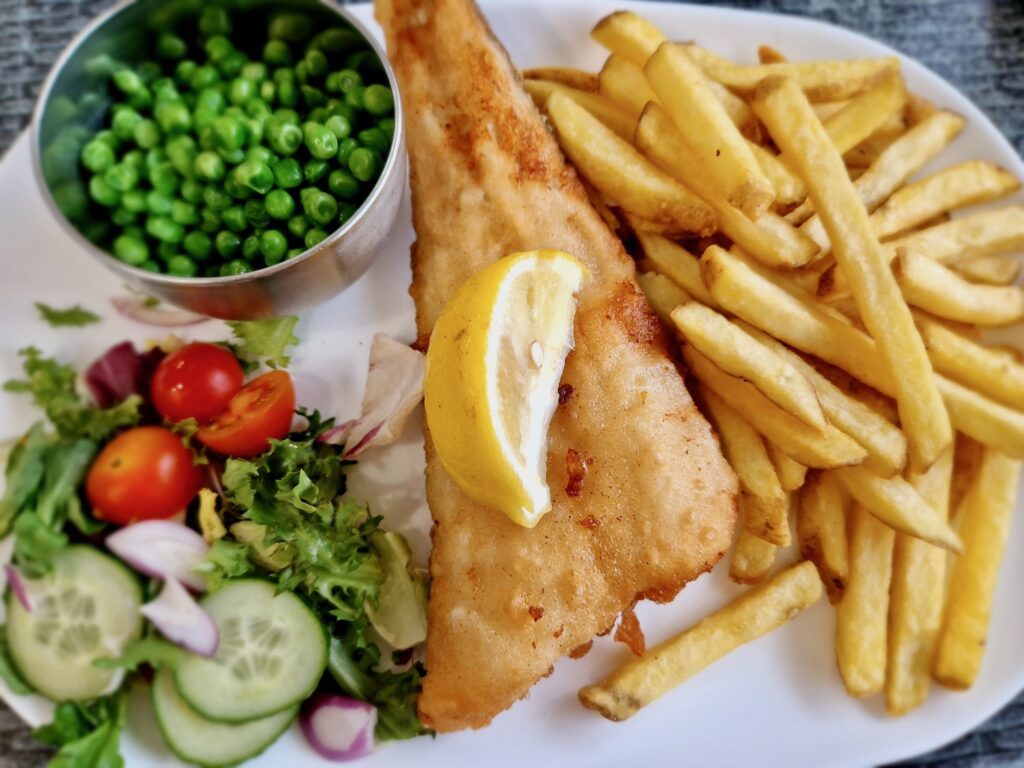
146,473
196,382
261,411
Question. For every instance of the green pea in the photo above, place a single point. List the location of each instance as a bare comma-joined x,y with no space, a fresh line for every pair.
235,267
122,217
167,250
173,117
124,122
273,246
202,119
234,156
131,250
209,166
318,206
204,77
228,133
134,200
287,173
214,20
181,151
293,252
256,175
387,124
321,143
251,247
256,213
354,98
181,266
216,198
164,91
164,229
345,149
212,99
318,115
231,65
298,225
122,177
347,80
256,71
291,27
147,134
184,71
149,71
170,46
375,139
339,125
277,53
336,40
236,190
341,183
365,61
287,94
363,164
209,220
284,138
312,97
302,73
283,75
268,91
96,231
163,178
314,236
289,116
241,90
378,100
191,191
103,193
150,266
253,131
346,211
184,213
340,108
234,219
227,243
150,160
159,203
198,245
97,156
316,62
128,82
72,199
217,47
314,170
107,137
260,154
258,109
279,204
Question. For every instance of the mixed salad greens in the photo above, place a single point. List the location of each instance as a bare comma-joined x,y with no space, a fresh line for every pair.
181,525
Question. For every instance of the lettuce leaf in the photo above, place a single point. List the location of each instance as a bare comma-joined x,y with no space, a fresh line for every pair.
264,341
72,317
87,734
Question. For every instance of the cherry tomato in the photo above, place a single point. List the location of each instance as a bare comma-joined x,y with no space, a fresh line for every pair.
261,411
196,382
146,473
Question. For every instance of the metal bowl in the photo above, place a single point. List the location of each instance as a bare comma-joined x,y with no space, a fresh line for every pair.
74,102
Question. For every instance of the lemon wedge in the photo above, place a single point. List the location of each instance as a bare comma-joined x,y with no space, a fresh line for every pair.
493,366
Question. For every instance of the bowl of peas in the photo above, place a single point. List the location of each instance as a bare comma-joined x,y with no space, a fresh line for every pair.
238,158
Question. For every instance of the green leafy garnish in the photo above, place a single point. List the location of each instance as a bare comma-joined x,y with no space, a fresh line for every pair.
72,317
264,341
36,544
225,560
87,734
147,651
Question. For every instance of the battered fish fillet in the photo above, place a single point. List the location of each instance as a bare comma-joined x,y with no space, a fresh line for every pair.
656,507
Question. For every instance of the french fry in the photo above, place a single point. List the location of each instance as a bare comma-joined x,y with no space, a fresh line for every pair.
736,108
789,188
984,525
623,83
899,162
811,447
985,420
799,321
768,55
862,116
765,504
820,80
677,264
821,531
966,462
884,442
791,473
628,34
989,270
663,294
862,614
916,597
573,78
996,231
790,120
930,286
992,372
706,127
919,109
869,150
739,354
893,501
752,558
881,404
621,173
597,105
753,614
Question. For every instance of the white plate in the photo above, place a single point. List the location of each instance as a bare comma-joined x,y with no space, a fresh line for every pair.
776,702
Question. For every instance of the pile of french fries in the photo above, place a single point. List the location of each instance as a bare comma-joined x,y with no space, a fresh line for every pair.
829,312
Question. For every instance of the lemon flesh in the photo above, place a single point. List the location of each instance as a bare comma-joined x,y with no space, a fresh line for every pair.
493,365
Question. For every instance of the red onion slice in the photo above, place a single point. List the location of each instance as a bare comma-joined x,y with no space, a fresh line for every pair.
18,586
162,550
138,308
180,619
339,728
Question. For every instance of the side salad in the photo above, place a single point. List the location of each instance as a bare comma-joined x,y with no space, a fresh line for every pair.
184,525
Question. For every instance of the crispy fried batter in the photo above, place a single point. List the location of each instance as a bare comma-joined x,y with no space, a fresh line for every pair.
657,507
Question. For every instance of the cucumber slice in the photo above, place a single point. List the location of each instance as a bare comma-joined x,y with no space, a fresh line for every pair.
272,654
194,739
87,608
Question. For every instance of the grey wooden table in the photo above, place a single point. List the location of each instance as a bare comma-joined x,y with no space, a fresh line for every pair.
978,45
